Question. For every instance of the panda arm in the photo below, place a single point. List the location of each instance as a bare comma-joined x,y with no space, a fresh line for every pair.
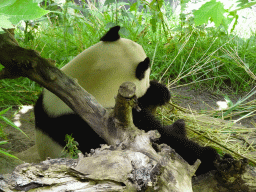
156,95
175,136
145,120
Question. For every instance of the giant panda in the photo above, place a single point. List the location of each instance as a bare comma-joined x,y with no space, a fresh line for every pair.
100,70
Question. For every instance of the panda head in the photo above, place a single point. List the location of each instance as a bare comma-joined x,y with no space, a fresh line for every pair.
102,68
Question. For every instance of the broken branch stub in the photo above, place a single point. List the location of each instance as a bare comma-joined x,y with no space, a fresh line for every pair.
125,101
20,62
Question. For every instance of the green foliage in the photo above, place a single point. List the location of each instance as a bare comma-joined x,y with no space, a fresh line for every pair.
215,11
4,152
9,122
71,149
211,10
175,51
12,11
109,2
21,91
180,54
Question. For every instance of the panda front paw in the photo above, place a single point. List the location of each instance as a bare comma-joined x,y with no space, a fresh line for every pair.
208,157
156,95
228,165
229,169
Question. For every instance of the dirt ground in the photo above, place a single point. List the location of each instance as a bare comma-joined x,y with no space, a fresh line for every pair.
205,100
22,146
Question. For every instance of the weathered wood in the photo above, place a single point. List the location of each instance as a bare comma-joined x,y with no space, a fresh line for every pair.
108,169
210,183
112,169
28,63
131,164
115,128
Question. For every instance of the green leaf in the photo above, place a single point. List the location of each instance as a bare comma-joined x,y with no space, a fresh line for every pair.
235,21
8,154
160,4
124,31
107,2
242,2
247,5
211,10
109,25
183,4
133,7
3,142
22,10
228,101
5,110
6,3
11,123
153,24
5,22
152,3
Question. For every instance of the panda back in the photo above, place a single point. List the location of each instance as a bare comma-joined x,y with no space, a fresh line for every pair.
100,70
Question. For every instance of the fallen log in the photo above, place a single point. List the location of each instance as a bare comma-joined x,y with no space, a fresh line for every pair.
131,164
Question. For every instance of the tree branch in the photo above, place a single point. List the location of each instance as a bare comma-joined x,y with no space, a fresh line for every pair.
133,150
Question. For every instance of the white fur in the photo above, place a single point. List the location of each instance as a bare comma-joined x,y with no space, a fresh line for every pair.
100,70
46,146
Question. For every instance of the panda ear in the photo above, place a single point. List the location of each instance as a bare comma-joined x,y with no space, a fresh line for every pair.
141,68
112,34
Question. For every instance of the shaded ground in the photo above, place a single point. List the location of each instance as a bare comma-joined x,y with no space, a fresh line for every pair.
18,142
198,100
203,100
24,119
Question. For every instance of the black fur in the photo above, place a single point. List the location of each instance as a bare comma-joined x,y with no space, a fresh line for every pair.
174,135
141,68
58,127
111,35
157,95
153,98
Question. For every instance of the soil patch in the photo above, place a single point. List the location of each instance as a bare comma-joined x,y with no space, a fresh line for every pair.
204,100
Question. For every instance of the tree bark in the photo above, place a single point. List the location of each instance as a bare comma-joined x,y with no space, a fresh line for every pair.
115,127
130,164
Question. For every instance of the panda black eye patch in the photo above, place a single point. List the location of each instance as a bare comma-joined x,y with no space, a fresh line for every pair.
141,68
54,119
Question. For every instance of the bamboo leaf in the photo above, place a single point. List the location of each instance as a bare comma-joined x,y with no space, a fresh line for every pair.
5,110
8,154
6,120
